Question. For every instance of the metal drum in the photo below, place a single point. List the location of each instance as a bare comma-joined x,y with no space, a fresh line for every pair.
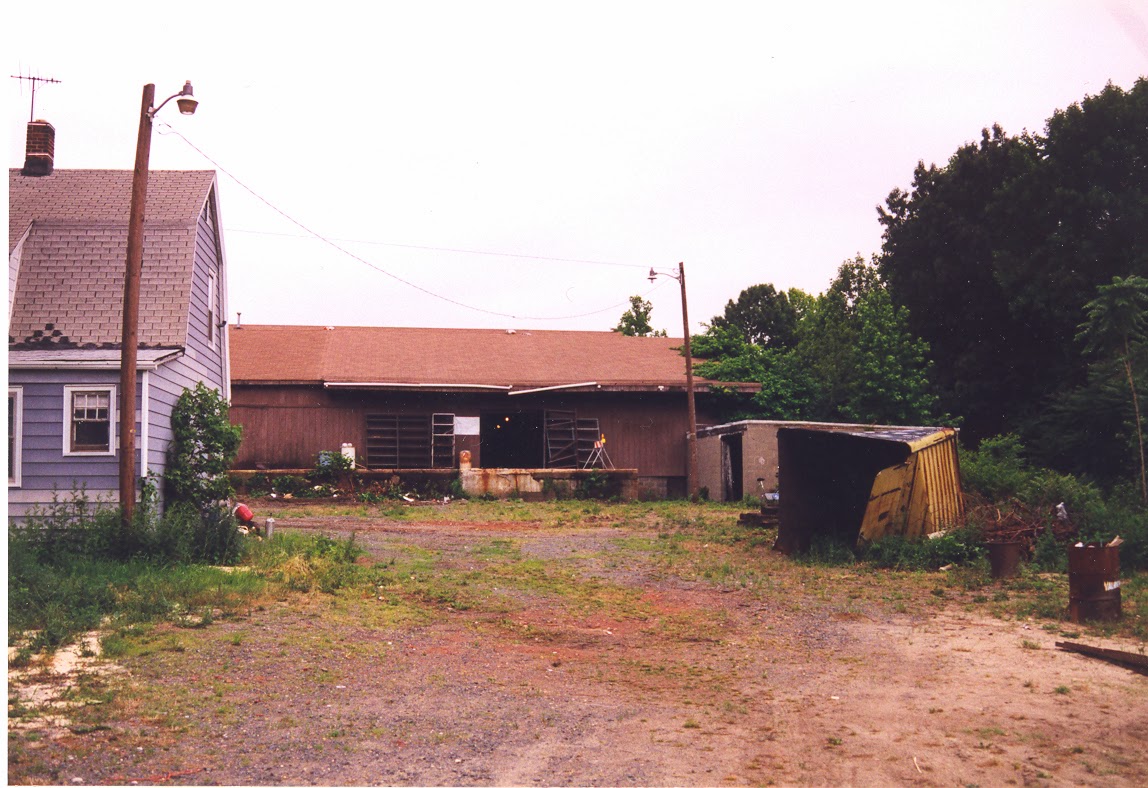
1004,558
1093,583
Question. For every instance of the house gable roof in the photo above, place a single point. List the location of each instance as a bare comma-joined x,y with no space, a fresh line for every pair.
69,232
455,358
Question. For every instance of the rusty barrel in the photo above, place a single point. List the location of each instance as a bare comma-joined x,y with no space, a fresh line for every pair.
1004,558
1093,583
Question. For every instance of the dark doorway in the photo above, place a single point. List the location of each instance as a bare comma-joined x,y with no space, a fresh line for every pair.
731,467
511,439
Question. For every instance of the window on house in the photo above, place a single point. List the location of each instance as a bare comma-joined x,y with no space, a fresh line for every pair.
15,435
89,412
211,309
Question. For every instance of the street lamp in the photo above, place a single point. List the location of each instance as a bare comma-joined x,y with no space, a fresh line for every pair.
692,435
129,346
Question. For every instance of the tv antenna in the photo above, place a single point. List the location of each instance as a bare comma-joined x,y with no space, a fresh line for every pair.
34,80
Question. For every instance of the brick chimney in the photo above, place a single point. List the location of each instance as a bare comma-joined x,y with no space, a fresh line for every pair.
41,152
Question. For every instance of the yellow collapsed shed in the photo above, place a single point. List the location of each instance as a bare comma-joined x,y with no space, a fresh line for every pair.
863,484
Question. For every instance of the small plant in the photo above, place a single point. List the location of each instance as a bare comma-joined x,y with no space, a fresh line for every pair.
331,468
595,485
1032,645
959,546
1062,690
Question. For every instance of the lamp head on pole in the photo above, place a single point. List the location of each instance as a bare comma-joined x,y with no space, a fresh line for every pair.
653,274
186,100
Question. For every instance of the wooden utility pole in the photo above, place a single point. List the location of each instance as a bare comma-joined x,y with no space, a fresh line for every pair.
129,346
692,437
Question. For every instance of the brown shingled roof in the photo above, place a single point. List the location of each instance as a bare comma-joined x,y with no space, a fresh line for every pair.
454,357
73,229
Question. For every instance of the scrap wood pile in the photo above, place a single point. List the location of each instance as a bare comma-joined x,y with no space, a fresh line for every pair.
1018,522
767,517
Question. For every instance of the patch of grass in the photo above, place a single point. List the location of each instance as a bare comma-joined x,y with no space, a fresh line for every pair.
63,594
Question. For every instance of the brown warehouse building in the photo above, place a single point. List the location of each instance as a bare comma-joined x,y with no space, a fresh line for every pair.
415,398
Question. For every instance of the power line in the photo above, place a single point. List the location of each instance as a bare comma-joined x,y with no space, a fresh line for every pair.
484,252
377,268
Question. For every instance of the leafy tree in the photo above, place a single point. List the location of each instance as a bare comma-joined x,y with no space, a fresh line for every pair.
204,444
852,359
1117,320
635,321
938,261
763,315
890,378
996,253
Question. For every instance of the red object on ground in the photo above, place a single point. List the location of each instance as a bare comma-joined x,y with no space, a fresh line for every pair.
244,514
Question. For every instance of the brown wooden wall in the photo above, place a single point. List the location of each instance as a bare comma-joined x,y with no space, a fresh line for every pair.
287,426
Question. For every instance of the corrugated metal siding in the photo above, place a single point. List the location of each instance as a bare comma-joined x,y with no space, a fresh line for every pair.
940,472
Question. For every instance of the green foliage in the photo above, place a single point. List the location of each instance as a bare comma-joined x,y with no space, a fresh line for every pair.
849,356
957,547
310,562
74,526
889,383
1116,323
997,253
331,467
998,472
204,444
635,321
597,485
728,356
65,582
762,316
1048,554
287,484
827,550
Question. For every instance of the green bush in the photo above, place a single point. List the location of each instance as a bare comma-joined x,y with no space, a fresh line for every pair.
998,472
203,446
997,469
1049,554
331,467
288,485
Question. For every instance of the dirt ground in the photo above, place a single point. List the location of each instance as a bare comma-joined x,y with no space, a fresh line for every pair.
715,684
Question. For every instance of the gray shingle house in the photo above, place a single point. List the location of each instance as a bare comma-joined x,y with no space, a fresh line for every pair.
67,245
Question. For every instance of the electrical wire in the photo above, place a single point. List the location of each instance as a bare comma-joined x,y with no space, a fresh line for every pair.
379,269
459,250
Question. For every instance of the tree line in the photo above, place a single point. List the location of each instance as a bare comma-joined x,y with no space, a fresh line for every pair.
1010,295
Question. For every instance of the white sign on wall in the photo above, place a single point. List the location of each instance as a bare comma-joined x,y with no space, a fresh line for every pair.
466,425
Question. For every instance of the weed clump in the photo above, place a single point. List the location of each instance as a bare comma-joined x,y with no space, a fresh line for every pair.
957,547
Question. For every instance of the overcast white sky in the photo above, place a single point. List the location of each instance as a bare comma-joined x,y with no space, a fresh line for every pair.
533,160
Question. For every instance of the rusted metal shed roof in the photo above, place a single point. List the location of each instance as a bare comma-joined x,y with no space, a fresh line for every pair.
453,358
67,235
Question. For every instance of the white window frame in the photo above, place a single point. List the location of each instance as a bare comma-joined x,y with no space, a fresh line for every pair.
16,402
69,393
211,308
